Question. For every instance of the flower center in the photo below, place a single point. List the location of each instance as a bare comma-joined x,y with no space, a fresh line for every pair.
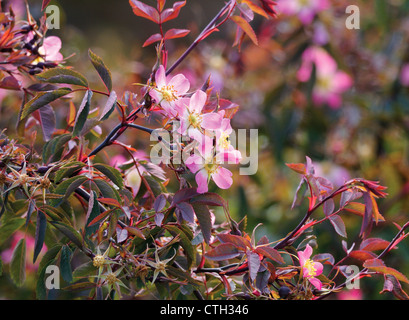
224,142
309,265
169,93
195,120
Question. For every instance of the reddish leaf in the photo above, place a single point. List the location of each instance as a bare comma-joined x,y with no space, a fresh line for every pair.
373,244
238,241
109,201
161,4
391,284
270,253
245,26
176,33
143,10
10,83
223,251
152,39
297,167
173,12
377,265
253,264
186,211
362,255
45,4
135,231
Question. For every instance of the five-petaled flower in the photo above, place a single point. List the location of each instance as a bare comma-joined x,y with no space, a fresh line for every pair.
208,166
310,269
169,91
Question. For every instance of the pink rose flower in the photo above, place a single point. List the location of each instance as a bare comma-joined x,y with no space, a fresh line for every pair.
330,81
193,120
169,91
304,9
310,269
208,167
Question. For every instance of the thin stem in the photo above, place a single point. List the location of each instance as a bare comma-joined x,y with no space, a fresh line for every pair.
285,241
199,38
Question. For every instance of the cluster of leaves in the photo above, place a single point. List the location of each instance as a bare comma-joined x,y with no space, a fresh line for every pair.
148,241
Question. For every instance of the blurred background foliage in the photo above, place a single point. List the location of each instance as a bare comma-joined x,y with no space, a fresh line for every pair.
367,136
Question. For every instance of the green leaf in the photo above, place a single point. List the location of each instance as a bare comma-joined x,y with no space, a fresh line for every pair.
54,148
41,227
102,69
185,242
111,173
67,187
41,99
8,228
18,263
68,170
82,113
65,264
92,213
63,75
69,232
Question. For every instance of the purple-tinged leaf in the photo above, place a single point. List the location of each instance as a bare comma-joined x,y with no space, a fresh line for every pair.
324,258
238,241
121,234
374,244
300,193
222,252
367,219
160,203
47,121
10,83
328,207
159,218
187,212
270,253
183,195
205,221
391,284
338,225
253,260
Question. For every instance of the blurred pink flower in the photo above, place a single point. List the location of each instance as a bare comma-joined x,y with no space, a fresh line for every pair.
352,294
7,254
310,269
338,175
330,81
304,9
404,75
